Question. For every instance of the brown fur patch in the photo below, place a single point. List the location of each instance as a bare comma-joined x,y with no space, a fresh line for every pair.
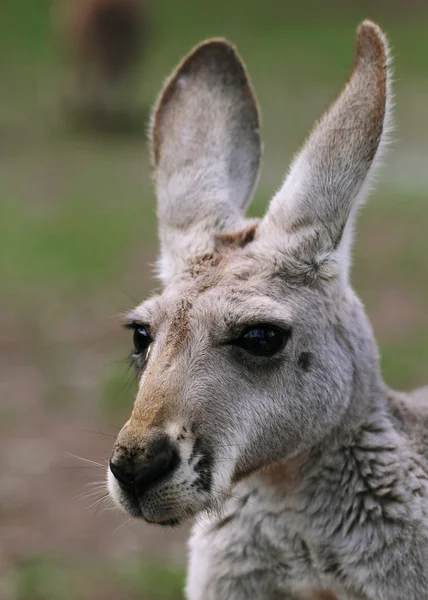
149,408
202,263
370,65
157,396
179,327
207,270
284,474
237,239
371,53
148,413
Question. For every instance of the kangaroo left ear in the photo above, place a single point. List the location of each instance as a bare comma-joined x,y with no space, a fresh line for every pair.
206,150
328,179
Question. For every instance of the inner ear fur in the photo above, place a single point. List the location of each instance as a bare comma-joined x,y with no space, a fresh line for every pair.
207,112
206,151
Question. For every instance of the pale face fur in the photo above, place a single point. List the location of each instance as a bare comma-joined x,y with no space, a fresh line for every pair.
228,413
232,413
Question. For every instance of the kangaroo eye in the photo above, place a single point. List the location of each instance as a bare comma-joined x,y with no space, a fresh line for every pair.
262,340
142,339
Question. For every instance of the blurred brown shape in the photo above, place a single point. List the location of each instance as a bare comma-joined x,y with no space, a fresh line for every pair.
103,42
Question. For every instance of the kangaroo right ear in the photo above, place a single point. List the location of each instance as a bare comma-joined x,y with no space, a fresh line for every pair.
206,150
314,210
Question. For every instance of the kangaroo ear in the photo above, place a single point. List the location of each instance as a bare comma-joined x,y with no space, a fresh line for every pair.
206,149
327,180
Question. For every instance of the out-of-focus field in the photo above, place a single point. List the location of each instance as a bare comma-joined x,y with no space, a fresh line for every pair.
77,236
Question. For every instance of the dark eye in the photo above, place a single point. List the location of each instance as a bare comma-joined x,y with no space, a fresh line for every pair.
142,339
262,340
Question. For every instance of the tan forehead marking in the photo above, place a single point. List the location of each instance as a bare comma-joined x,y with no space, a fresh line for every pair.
208,269
179,326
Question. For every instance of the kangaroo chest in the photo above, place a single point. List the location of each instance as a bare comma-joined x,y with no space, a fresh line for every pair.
254,535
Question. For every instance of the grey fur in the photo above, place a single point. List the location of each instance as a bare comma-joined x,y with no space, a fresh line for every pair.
308,476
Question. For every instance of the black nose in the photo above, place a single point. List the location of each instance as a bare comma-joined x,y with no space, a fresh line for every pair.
137,474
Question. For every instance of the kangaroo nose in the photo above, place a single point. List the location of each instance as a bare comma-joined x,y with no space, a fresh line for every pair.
137,475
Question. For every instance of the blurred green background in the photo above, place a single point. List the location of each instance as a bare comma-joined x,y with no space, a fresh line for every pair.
78,236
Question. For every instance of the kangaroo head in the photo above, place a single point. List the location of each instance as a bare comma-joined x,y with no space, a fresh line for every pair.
257,347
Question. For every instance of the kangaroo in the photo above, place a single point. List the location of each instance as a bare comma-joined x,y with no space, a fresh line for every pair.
104,41
261,409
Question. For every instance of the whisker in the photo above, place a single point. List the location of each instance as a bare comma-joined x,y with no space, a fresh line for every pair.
121,525
95,484
100,488
76,468
99,500
129,296
228,494
87,460
107,435
93,493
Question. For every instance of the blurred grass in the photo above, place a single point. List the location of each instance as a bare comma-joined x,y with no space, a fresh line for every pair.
45,578
64,245
77,214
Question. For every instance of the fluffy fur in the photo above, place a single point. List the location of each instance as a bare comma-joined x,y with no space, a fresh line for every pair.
308,476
